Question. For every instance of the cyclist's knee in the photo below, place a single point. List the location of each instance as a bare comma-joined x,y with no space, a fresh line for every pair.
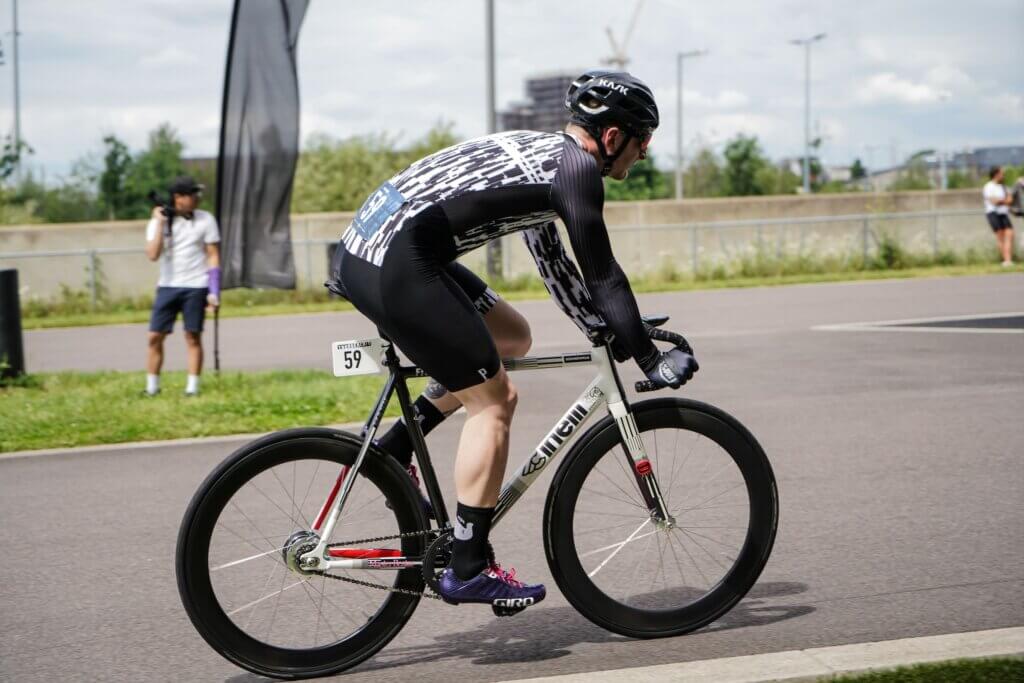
511,331
496,397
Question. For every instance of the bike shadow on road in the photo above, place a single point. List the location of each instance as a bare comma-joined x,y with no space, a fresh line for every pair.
545,634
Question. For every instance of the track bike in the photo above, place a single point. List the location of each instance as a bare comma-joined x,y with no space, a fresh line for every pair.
306,551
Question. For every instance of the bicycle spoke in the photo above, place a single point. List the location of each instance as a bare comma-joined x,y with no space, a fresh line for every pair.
693,561
266,597
708,500
266,584
620,547
706,551
617,545
245,559
605,495
309,486
639,561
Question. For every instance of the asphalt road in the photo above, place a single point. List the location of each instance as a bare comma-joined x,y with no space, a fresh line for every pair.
897,455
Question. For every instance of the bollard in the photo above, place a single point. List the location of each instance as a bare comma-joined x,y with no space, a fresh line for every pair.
12,356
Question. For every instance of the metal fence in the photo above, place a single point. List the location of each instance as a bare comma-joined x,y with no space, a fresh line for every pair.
641,249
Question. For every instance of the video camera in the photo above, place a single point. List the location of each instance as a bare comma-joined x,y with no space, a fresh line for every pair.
166,204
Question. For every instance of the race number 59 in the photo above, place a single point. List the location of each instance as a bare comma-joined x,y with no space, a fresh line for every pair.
356,357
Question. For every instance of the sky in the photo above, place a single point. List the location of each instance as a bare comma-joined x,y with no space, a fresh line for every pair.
890,78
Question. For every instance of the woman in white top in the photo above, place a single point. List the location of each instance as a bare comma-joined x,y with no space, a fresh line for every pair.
997,211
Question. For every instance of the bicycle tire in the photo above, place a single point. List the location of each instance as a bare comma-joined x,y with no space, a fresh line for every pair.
196,587
661,615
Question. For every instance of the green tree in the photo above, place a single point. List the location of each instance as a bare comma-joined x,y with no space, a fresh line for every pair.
644,181
857,170
117,163
338,175
914,176
152,169
777,179
744,161
11,155
703,176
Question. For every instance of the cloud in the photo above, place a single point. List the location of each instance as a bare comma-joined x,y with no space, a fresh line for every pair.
888,87
725,99
944,75
1008,106
873,50
169,56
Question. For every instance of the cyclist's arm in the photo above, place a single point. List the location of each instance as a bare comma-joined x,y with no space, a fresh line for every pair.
577,195
560,276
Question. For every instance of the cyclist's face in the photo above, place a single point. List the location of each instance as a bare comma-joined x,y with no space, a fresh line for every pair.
636,149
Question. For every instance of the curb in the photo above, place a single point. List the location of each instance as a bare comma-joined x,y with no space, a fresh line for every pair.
817,663
143,445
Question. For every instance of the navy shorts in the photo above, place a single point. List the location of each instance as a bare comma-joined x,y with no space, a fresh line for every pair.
998,221
190,301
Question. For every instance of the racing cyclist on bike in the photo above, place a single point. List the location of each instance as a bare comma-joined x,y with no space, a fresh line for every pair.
396,264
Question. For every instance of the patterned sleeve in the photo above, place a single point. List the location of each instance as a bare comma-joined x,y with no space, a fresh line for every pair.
560,276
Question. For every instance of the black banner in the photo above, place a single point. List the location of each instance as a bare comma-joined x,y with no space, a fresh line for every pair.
259,144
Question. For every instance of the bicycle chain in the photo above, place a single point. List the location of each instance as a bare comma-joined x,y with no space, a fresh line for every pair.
389,589
370,584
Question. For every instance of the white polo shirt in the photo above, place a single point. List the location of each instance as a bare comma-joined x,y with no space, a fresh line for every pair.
994,192
183,260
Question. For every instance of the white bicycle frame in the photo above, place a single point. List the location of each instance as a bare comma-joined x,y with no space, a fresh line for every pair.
604,388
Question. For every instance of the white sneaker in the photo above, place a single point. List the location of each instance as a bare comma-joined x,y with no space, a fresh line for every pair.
1007,264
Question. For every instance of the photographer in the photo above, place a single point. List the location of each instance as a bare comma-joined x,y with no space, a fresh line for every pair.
997,211
188,248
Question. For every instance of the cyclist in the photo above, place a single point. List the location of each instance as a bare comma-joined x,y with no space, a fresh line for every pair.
396,264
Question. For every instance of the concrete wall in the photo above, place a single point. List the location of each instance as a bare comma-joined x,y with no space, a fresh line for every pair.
645,236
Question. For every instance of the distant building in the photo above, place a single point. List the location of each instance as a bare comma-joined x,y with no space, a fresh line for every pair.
545,108
981,159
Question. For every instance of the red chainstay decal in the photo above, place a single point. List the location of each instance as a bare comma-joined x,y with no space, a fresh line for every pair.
363,553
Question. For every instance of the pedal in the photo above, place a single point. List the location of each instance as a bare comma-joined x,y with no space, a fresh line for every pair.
509,607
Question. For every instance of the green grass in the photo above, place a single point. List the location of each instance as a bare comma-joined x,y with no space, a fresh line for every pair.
50,410
71,309
1002,670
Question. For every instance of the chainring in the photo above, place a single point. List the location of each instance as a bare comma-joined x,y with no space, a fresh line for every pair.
436,559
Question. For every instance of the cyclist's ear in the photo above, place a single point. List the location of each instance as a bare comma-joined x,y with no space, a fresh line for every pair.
613,138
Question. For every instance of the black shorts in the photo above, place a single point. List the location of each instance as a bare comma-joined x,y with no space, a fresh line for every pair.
430,306
190,301
999,221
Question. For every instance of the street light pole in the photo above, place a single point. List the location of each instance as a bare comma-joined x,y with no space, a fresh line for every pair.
679,116
17,97
806,43
494,253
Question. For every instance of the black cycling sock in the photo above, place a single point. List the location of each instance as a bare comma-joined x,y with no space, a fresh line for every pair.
397,442
469,548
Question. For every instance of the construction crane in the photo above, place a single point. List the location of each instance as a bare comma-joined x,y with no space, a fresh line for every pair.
619,58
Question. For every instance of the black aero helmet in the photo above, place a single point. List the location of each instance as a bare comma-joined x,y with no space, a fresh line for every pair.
602,98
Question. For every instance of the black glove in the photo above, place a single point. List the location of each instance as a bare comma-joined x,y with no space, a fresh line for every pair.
672,369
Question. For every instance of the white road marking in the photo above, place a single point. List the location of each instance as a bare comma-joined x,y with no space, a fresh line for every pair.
898,325
815,663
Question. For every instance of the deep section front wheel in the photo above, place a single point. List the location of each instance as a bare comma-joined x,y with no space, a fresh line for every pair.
247,596
629,571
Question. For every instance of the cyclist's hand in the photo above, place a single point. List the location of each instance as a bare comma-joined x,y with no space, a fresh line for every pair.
673,369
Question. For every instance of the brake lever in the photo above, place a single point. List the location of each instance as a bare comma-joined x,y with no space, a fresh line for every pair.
674,338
